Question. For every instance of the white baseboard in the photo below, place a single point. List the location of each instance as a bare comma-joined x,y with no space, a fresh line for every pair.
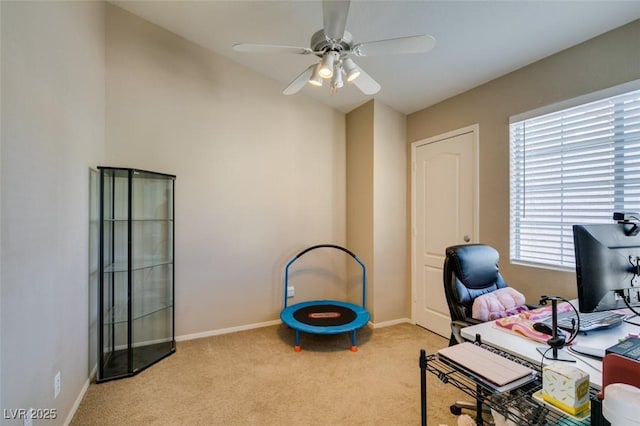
390,323
76,404
221,331
226,330
94,373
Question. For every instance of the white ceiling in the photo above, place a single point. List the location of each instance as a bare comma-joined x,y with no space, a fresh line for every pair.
476,41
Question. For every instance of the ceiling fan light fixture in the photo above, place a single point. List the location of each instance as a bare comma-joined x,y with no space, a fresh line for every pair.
351,69
316,78
326,65
336,80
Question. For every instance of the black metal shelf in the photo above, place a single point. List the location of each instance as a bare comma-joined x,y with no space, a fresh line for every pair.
517,405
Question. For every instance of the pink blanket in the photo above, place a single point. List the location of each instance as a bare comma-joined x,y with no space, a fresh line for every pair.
498,304
522,324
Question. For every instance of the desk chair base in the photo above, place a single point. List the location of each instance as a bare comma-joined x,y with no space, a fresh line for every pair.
457,407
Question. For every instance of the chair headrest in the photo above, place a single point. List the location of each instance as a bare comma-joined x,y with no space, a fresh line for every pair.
475,265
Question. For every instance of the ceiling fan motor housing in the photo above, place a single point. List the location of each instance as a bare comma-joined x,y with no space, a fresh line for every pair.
320,44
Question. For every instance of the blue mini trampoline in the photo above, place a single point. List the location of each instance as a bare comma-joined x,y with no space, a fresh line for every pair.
325,316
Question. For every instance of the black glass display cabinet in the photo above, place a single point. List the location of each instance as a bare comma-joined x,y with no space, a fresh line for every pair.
136,270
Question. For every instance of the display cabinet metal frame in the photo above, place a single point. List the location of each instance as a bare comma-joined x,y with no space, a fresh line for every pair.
136,270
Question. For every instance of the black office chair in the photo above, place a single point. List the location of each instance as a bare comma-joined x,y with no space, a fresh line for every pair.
469,271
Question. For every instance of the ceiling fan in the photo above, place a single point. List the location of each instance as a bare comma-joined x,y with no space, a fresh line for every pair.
335,47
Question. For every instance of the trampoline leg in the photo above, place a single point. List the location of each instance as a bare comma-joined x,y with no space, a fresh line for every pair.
354,346
297,346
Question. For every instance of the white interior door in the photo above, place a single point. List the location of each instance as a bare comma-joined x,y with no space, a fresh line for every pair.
444,214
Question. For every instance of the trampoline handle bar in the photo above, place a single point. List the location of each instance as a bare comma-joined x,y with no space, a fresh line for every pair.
325,245
297,256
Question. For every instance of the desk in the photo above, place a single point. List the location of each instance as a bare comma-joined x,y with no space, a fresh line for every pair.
525,348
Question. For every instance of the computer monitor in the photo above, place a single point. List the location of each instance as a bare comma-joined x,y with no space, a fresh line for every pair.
607,266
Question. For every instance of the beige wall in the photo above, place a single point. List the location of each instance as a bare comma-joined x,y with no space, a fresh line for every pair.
360,132
52,133
608,60
376,206
392,285
260,176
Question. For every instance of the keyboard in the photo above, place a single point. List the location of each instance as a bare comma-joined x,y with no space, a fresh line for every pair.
493,369
588,321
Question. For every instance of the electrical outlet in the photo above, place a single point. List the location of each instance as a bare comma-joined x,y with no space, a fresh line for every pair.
291,291
56,385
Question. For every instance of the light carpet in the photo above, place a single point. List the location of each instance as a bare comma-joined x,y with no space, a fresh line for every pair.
255,378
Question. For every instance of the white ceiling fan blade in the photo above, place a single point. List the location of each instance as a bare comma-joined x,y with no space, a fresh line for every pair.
299,82
366,83
270,48
402,45
335,18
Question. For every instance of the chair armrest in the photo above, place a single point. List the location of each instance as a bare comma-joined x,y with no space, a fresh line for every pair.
458,325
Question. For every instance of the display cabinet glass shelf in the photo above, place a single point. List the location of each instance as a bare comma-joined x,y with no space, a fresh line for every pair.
136,270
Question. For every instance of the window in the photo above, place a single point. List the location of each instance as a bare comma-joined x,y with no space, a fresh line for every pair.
577,164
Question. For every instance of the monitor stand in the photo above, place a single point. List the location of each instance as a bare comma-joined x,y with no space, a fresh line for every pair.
557,354
556,342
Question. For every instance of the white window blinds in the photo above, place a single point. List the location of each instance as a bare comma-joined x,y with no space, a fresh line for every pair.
577,165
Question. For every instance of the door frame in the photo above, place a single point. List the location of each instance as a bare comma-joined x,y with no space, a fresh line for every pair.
474,129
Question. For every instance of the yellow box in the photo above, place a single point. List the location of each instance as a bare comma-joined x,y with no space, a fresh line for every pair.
566,387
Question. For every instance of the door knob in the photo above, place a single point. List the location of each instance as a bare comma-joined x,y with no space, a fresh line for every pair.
466,239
